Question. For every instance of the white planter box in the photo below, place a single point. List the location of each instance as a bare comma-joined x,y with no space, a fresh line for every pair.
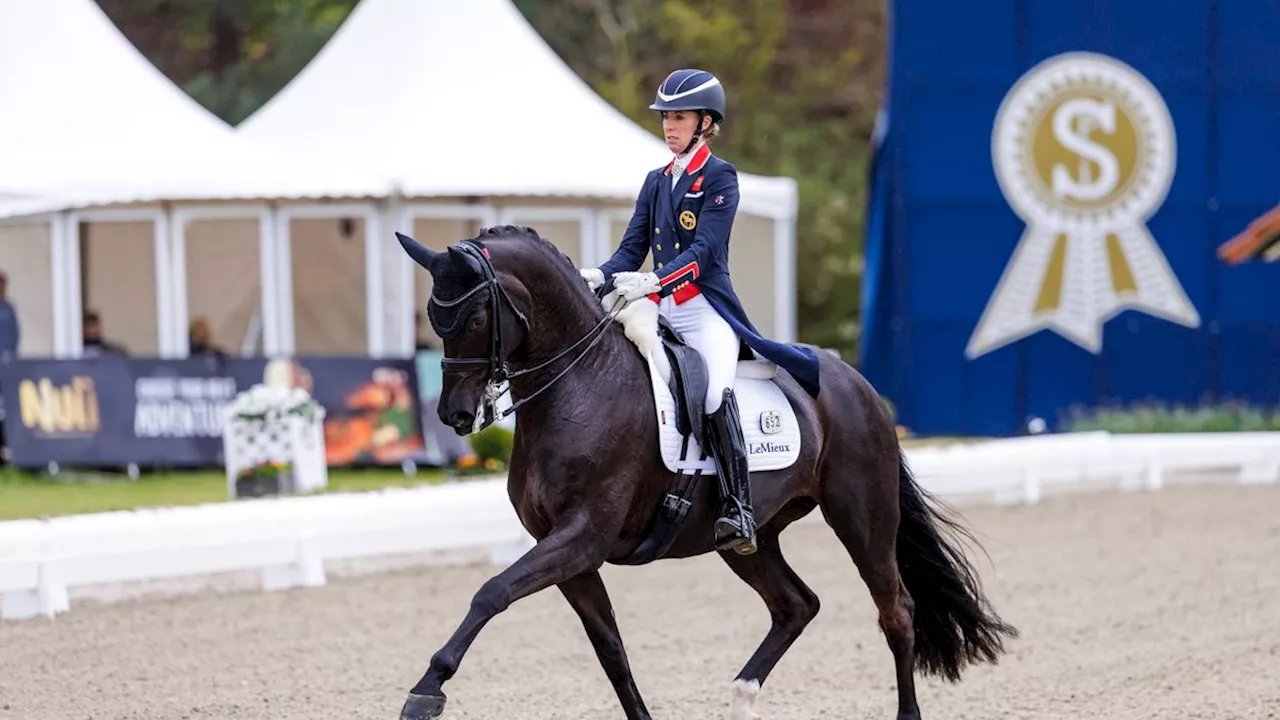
293,440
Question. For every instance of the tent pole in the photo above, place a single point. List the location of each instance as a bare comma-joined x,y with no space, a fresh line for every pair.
58,283
405,287
268,259
166,324
588,232
279,227
375,317
178,277
784,277
75,300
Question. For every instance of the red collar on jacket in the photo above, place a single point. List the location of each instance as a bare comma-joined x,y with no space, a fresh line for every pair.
695,163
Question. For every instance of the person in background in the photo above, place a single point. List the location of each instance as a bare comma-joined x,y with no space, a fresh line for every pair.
200,339
10,335
10,330
94,343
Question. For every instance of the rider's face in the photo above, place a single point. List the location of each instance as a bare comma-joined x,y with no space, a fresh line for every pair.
677,128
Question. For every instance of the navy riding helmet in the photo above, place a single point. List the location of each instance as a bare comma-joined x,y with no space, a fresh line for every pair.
692,89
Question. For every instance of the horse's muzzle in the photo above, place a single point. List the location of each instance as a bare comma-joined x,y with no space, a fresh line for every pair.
462,422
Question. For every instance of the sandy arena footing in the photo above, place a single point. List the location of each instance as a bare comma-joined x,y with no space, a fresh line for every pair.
1155,606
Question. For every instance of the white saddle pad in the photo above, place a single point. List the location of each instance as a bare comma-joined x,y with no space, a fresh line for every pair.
768,423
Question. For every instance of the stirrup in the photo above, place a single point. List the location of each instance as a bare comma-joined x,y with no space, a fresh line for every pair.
735,530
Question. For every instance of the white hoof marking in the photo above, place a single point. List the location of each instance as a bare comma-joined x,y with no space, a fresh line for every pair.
743,706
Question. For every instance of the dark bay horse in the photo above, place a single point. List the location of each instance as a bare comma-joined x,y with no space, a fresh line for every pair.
586,479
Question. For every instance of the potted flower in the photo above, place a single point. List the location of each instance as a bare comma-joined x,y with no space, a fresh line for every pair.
272,477
260,439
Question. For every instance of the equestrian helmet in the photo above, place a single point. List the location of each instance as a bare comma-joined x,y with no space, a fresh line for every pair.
691,89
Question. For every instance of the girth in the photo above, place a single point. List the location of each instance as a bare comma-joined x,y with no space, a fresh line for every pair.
688,384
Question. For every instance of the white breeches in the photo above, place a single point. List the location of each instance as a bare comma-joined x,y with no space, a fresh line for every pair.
713,338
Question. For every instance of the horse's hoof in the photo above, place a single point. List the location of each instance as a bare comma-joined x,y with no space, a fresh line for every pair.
422,707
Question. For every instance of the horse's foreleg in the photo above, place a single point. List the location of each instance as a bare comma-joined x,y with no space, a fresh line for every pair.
556,558
589,599
792,605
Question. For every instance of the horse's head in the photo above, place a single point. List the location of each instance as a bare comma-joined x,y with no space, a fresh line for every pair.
478,320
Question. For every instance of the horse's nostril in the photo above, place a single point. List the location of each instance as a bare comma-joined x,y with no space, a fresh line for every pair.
462,420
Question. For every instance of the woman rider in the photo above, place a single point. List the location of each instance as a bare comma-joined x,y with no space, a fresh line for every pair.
684,214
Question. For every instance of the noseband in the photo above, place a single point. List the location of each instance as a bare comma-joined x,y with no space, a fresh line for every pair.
496,366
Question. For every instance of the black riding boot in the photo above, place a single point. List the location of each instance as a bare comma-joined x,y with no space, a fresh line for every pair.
736,528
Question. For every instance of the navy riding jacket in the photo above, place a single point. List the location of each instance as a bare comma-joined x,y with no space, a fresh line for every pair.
687,229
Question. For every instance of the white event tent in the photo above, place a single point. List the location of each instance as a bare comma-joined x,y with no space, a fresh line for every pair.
96,142
473,119
119,192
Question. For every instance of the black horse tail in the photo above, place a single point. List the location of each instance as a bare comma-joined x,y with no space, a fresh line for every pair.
954,622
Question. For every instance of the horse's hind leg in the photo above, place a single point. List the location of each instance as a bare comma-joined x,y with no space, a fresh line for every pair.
587,595
792,605
865,516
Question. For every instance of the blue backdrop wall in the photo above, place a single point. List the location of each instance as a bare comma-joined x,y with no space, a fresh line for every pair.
941,231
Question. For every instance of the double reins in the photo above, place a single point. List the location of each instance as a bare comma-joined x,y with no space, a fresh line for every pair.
497,369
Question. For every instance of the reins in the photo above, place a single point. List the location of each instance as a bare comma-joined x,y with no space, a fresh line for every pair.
498,369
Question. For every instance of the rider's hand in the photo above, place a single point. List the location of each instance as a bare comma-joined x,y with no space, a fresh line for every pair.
634,285
593,276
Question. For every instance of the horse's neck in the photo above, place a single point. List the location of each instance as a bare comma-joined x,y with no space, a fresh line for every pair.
553,330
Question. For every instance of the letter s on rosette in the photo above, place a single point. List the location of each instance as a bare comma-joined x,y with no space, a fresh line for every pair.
1084,151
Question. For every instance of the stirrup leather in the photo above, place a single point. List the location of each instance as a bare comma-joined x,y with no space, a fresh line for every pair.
736,528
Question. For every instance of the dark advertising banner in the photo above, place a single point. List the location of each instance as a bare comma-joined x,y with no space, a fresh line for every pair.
371,406
112,411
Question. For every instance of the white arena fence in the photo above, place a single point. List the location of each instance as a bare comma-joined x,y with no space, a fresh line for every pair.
289,540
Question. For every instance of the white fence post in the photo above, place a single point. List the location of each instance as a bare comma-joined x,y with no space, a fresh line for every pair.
307,569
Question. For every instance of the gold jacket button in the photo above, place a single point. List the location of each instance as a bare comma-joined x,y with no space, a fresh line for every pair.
657,231
659,246
677,246
659,265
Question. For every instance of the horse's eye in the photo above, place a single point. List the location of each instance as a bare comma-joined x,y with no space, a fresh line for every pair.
476,322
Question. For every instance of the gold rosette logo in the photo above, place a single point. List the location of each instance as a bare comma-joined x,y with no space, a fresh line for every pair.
1084,151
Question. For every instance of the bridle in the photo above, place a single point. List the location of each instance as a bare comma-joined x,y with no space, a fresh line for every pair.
496,366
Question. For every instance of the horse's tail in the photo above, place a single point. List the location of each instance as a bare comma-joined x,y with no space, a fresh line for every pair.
954,622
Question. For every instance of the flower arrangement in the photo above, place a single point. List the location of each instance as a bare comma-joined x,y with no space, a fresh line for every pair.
262,413
271,477
272,403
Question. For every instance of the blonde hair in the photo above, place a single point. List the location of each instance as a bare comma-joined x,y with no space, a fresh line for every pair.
711,132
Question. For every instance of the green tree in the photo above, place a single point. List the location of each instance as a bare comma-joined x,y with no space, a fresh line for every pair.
231,56
804,80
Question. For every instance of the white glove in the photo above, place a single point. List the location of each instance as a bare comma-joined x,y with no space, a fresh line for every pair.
593,276
634,285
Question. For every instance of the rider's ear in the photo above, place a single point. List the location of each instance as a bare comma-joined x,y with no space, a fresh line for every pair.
420,253
464,261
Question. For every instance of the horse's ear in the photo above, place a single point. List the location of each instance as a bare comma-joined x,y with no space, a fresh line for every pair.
420,253
465,262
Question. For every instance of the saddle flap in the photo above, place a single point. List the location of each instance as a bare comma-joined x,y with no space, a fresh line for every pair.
689,383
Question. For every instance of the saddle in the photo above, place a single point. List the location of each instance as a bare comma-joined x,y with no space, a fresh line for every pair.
688,380
680,401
